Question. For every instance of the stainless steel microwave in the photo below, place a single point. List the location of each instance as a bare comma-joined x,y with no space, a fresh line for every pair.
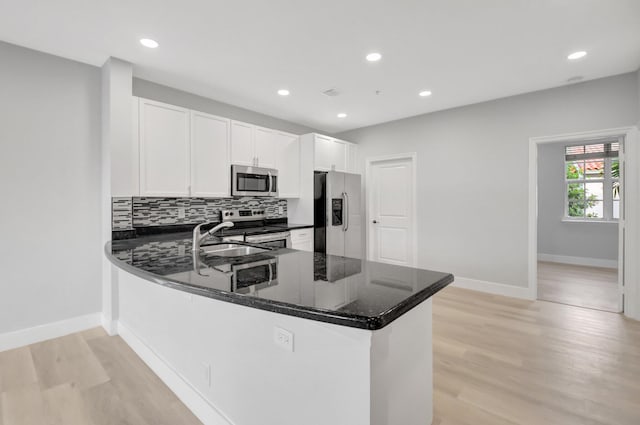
253,181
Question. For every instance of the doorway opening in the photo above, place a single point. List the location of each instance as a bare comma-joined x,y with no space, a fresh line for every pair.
580,222
391,209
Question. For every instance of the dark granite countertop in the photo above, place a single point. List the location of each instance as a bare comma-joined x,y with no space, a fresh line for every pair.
326,288
270,226
292,226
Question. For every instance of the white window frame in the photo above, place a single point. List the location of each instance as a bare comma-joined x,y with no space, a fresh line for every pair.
607,181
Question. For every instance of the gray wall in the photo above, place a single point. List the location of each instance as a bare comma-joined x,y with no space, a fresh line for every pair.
160,93
50,186
557,237
473,169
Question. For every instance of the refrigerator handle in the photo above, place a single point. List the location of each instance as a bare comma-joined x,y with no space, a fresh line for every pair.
345,212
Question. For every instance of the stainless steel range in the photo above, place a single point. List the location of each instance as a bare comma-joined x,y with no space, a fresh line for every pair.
250,223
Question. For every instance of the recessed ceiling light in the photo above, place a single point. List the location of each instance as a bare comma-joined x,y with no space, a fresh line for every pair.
425,93
283,92
374,57
342,115
577,55
147,42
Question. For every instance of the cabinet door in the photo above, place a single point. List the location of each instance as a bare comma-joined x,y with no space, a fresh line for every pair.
288,165
339,156
352,159
164,149
302,239
323,150
266,147
242,152
210,143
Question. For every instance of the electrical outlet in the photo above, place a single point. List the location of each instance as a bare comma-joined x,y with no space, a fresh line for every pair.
181,250
280,210
182,212
206,374
283,338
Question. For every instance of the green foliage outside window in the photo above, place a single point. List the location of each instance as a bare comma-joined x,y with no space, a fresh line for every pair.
578,202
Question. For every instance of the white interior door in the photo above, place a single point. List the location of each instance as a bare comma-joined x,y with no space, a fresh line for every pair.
391,211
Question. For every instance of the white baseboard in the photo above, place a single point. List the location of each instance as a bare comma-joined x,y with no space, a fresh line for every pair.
40,333
578,261
190,396
110,326
493,288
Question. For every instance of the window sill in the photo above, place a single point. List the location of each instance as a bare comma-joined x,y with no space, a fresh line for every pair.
572,220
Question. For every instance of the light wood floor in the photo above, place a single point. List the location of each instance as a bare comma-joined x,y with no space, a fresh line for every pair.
497,361
86,378
582,286
504,361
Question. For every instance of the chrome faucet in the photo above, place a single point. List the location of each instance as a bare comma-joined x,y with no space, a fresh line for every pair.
198,237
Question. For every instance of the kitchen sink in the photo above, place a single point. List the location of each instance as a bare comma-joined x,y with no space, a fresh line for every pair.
232,250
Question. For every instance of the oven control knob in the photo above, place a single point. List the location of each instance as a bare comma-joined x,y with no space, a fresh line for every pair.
230,213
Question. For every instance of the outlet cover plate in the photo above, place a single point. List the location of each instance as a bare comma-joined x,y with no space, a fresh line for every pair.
283,338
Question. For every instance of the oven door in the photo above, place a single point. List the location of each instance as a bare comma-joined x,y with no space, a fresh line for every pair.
251,277
271,240
253,181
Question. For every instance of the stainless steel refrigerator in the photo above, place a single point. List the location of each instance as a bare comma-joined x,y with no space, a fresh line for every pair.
337,214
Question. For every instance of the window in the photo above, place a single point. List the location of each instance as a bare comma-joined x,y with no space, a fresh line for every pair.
592,181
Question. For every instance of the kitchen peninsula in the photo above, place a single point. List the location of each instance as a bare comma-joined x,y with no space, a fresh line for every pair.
280,337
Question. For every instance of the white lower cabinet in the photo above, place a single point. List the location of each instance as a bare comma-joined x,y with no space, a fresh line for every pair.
302,239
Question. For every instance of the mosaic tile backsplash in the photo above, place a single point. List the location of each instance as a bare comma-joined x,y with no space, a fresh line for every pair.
128,213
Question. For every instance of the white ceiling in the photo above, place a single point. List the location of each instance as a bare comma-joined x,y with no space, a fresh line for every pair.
242,51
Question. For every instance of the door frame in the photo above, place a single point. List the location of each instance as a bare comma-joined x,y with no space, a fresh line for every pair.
413,157
627,228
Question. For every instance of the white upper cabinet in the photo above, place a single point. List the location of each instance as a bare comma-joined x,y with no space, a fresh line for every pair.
265,147
210,154
330,154
352,158
189,153
242,144
252,145
288,164
164,149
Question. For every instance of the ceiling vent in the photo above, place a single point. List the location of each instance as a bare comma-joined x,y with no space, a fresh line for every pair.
331,92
